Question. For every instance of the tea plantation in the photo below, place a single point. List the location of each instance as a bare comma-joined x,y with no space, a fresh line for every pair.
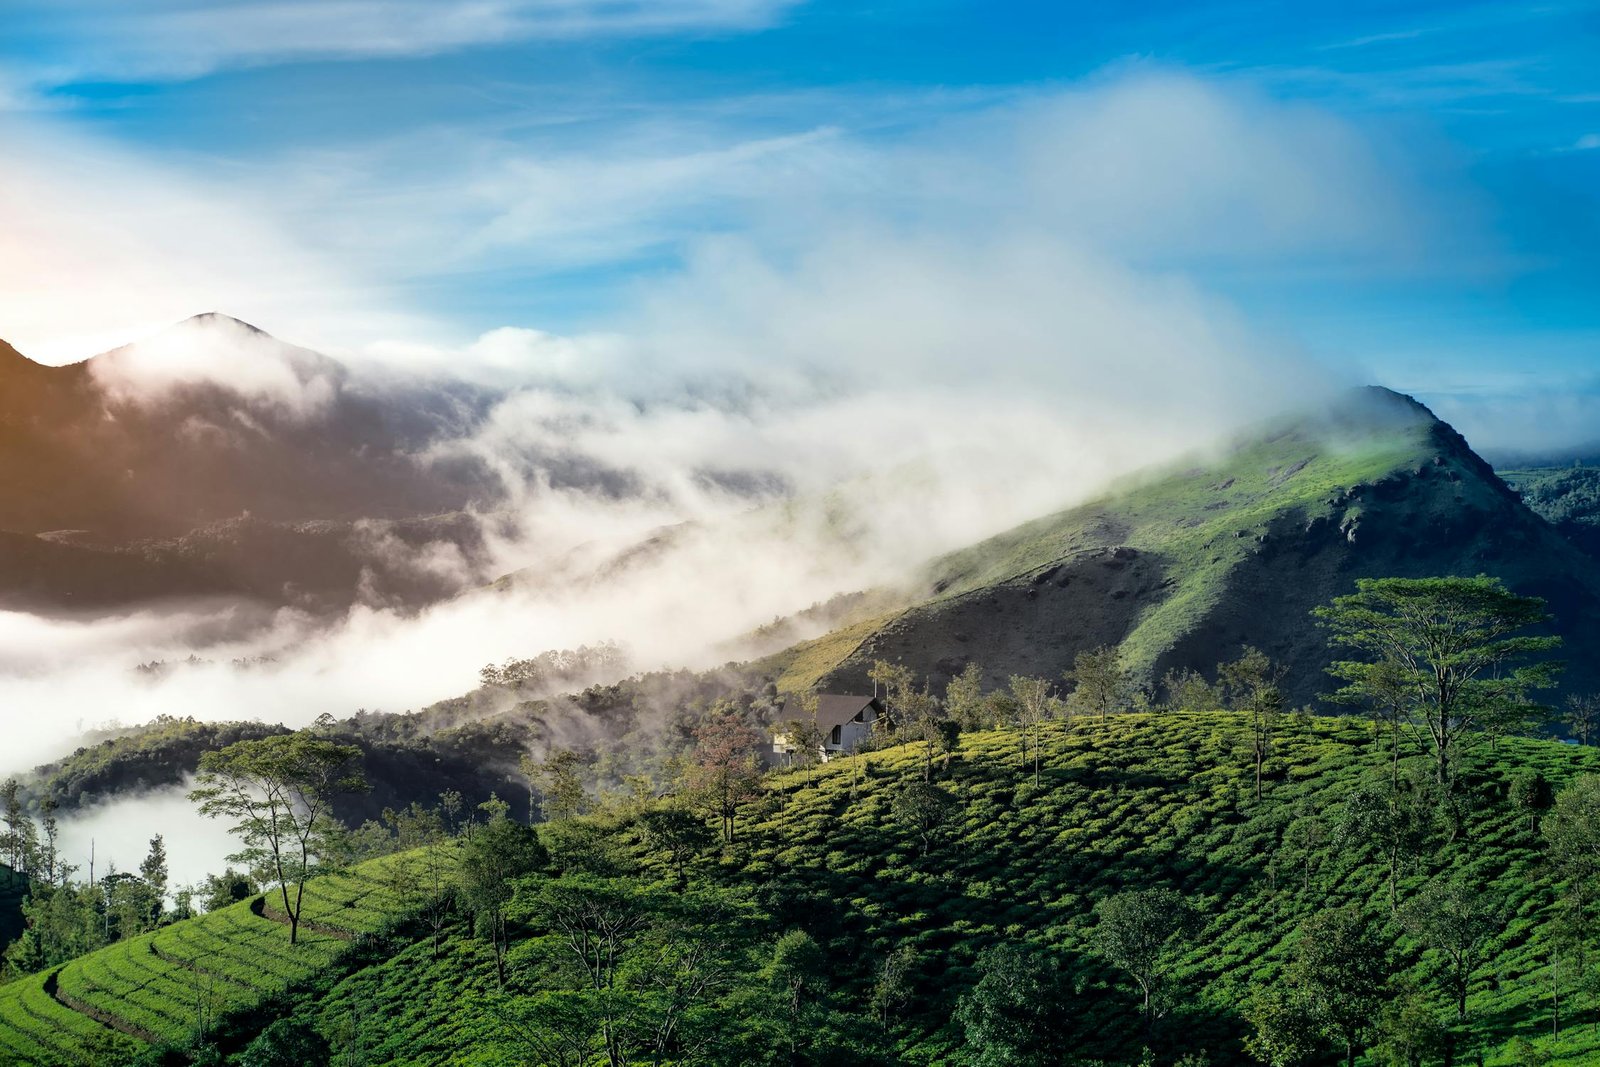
1136,802
173,987
839,927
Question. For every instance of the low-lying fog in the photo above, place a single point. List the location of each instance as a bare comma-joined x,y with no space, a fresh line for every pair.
117,837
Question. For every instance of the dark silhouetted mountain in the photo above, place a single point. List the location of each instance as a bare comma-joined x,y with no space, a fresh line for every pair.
216,459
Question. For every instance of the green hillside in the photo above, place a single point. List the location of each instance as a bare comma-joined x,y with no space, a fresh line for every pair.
1137,802
1566,497
165,989
1183,566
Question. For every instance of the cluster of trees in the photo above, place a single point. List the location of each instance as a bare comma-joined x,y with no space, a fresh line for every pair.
64,917
557,668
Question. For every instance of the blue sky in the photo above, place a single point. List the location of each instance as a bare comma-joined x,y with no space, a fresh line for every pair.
440,169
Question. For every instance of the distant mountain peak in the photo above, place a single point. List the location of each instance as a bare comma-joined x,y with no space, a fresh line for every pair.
217,318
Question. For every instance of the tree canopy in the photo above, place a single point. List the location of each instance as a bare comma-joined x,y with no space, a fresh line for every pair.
279,791
1455,649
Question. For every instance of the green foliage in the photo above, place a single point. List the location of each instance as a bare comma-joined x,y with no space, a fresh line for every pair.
559,779
1532,793
279,790
1341,965
494,856
1568,497
179,984
1101,685
163,752
1016,1015
287,1043
1285,1031
1141,932
923,809
678,834
1452,646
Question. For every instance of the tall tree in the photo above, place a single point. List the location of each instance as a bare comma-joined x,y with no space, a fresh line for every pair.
1141,931
891,682
559,779
1398,823
723,772
1453,919
894,986
1188,690
922,720
1531,792
1572,833
279,790
593,923
1582,716
678,833
924,809
1458,647
963,699
804,737
1252,684
797,973
1030,705
501,851
1342,963
19,842
1284,1028
1101,685
154,872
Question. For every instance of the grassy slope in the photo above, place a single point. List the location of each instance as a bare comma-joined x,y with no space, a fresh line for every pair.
1138,801
158,984
1184,566
1143,801
1192,517
804,665
1202,521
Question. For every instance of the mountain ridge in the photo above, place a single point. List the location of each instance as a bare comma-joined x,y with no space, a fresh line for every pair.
1183,566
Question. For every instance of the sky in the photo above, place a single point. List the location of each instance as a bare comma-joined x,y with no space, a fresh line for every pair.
1408,192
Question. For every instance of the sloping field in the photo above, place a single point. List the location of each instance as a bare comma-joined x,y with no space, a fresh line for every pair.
172,985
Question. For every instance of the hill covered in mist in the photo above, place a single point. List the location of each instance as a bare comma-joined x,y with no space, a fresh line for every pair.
1181,567
216,460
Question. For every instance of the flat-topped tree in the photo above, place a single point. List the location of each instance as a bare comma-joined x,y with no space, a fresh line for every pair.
1455,647
279,790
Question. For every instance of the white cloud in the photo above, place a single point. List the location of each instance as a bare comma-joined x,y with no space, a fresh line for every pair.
1146,167
99,246
1543,420
221,351
180,39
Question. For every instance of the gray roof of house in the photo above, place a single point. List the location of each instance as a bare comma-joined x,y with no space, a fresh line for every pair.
833,709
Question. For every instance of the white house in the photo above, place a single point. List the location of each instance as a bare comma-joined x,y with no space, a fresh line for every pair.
843,720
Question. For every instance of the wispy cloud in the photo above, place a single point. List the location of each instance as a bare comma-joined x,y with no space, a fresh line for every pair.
1156,168
181,38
